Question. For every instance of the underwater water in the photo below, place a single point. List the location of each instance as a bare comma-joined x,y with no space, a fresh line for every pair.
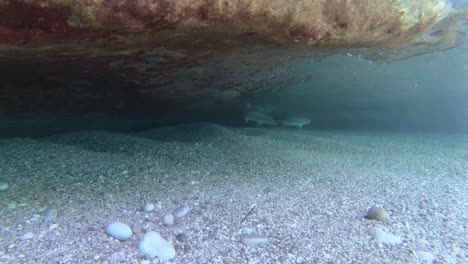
365,162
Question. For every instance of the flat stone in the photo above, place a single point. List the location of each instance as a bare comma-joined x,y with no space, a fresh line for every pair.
383,237
254,239
28,235
181,211
51,214
153,245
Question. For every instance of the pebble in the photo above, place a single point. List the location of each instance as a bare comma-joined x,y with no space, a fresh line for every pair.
119,230
35,218
53,226
379,214
168,220
153,245
3,186
118,256
182,237
137,228
383,237
51,214
427,257
148,207
254,239
28,235
181,211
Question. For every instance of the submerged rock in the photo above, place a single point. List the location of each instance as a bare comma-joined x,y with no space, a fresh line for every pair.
3,186
221,50
181,211
254,239
153,245
119,230
383,237
379,214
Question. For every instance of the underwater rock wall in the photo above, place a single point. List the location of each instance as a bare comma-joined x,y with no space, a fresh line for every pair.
74,56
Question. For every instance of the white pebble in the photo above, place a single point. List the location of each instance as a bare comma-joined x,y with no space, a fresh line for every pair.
148,207
427,257
3,186
119,230
53,226
168,220
383,237
181,211
28,235
153,245
254,239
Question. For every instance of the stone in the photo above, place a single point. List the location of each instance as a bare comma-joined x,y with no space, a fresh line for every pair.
148,207
51,214
181,211
182,237
3,186
153,245
383,237
28,235
426,256
379,214
118,256
254,239
119,230
167,220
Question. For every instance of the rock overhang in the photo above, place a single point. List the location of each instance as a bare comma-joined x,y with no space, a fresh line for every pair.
191,49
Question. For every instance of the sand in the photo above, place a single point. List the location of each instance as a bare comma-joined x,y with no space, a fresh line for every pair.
309,191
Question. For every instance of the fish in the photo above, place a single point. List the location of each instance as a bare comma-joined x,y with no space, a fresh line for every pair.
260,118
296,121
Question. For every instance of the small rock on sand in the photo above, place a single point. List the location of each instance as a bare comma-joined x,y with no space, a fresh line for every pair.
254,239
148,207
181,211
27,236
426,256
379,214
383,237
51,214
168,220
153,245
3,186
119,230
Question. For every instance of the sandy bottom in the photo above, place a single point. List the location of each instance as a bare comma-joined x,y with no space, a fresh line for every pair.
310,191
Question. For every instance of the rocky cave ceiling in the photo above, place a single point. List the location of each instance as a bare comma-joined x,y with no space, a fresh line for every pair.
78,54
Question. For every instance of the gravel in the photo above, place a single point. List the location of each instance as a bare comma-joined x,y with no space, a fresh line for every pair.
311,191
